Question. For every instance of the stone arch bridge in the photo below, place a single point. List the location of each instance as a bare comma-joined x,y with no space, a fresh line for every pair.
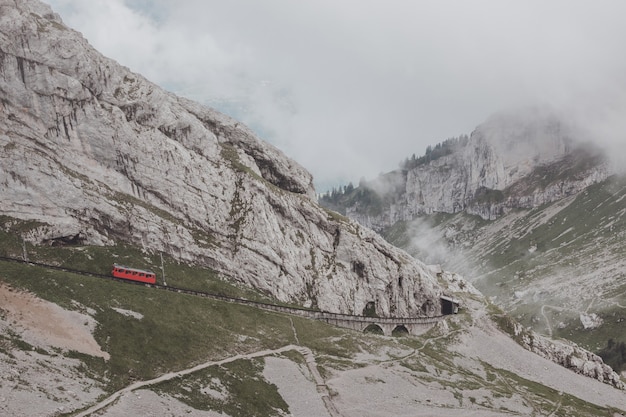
384,325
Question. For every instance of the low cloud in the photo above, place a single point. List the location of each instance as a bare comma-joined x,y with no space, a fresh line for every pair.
351,88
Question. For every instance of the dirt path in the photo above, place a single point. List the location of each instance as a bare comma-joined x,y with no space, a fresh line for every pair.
545,316
170,375
543,313
322,388
306,352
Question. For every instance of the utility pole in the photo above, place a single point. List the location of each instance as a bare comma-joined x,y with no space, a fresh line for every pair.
162,269
24,254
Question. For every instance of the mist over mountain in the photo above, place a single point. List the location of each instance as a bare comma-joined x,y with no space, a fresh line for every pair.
526,209
100,166
513,160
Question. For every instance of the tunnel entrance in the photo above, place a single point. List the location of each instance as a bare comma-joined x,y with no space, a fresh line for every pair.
449,305
370,309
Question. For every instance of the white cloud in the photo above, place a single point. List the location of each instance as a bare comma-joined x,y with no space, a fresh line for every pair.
349,88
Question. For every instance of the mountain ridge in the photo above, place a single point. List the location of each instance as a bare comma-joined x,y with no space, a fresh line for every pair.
503,165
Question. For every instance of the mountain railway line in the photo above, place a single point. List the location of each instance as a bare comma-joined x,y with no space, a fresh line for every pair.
385,325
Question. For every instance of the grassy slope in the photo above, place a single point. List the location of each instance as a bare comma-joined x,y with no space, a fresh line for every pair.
567,256
178,331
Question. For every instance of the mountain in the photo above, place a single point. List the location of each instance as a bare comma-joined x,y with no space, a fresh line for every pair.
514,160
98,165
558,268
97,155
525,209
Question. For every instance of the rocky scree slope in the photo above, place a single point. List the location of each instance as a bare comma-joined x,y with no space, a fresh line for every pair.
98,154
559,268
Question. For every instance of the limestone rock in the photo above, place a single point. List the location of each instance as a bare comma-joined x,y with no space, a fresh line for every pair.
520,160
570,356
99,154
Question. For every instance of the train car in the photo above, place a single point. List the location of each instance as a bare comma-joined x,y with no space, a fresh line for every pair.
133,274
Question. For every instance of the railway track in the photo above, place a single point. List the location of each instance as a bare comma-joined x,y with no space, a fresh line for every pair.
299,311
157,286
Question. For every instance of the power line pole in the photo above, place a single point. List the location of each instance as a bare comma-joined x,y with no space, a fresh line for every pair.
24,253
162,269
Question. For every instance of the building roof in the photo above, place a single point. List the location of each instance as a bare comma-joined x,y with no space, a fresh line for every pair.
451,299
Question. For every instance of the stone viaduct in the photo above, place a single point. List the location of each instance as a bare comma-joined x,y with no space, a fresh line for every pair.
384,325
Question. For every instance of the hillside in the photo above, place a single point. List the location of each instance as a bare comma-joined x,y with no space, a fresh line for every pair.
538,227
558,268
95,154
149,351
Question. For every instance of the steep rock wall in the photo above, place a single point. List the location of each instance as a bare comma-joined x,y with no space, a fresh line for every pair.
520,160
100,154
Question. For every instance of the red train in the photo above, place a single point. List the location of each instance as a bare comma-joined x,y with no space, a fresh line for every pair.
133,274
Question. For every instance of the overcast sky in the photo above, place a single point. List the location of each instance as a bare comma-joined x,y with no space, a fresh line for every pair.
349,88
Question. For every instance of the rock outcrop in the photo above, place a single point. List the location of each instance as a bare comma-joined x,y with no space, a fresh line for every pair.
520,160
569,355
98,154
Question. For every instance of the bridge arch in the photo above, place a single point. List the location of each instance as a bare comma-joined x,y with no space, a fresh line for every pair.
373,328
400,330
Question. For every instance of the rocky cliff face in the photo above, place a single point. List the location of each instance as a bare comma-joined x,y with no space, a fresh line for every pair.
519,160
569,356
99,154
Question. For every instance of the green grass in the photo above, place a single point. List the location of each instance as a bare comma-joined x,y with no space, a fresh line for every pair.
235,389
99,260
178,331
175,332
613,327
614,355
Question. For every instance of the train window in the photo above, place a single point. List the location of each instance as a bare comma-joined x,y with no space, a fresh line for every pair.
134,272
141,274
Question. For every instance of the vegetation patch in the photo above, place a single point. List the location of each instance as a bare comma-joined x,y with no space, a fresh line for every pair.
364,198
614,355
236,389
177,331
229,153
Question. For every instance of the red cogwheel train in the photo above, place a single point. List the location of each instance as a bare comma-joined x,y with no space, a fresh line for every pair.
133,274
